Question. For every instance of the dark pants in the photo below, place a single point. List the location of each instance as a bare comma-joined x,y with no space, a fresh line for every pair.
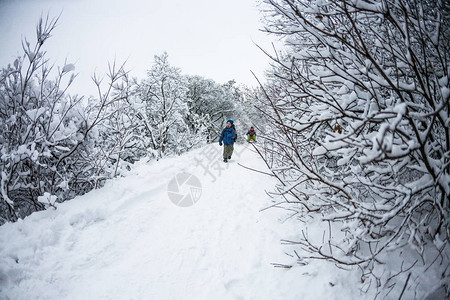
227,151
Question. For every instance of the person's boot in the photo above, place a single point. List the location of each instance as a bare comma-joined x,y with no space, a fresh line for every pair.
225,160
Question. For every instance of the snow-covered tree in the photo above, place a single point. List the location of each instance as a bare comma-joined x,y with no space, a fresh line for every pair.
235,96
250,110
163,93
359,111
40,127
49,143
120,142
209,103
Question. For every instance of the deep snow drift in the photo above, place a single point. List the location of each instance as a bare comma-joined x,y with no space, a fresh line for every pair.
128,240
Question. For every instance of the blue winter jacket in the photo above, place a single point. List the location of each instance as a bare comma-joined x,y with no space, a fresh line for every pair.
227,136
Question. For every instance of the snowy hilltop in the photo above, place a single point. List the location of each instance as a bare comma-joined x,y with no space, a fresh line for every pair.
129,240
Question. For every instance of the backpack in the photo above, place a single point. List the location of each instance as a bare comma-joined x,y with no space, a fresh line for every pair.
235,133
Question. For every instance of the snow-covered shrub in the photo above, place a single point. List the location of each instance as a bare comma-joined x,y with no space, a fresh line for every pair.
41,128
50,145
359,111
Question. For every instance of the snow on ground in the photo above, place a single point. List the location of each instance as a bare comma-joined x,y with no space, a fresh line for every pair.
128,240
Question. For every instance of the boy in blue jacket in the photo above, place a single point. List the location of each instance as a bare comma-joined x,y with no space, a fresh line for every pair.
228,135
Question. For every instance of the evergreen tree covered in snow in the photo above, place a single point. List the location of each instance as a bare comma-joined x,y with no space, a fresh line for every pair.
359,131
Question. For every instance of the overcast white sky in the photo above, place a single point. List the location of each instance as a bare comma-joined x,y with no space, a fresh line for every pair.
211,38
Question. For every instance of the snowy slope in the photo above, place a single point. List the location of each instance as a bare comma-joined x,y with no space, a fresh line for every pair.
129,241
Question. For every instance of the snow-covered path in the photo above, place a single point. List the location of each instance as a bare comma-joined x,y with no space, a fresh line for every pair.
129,241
